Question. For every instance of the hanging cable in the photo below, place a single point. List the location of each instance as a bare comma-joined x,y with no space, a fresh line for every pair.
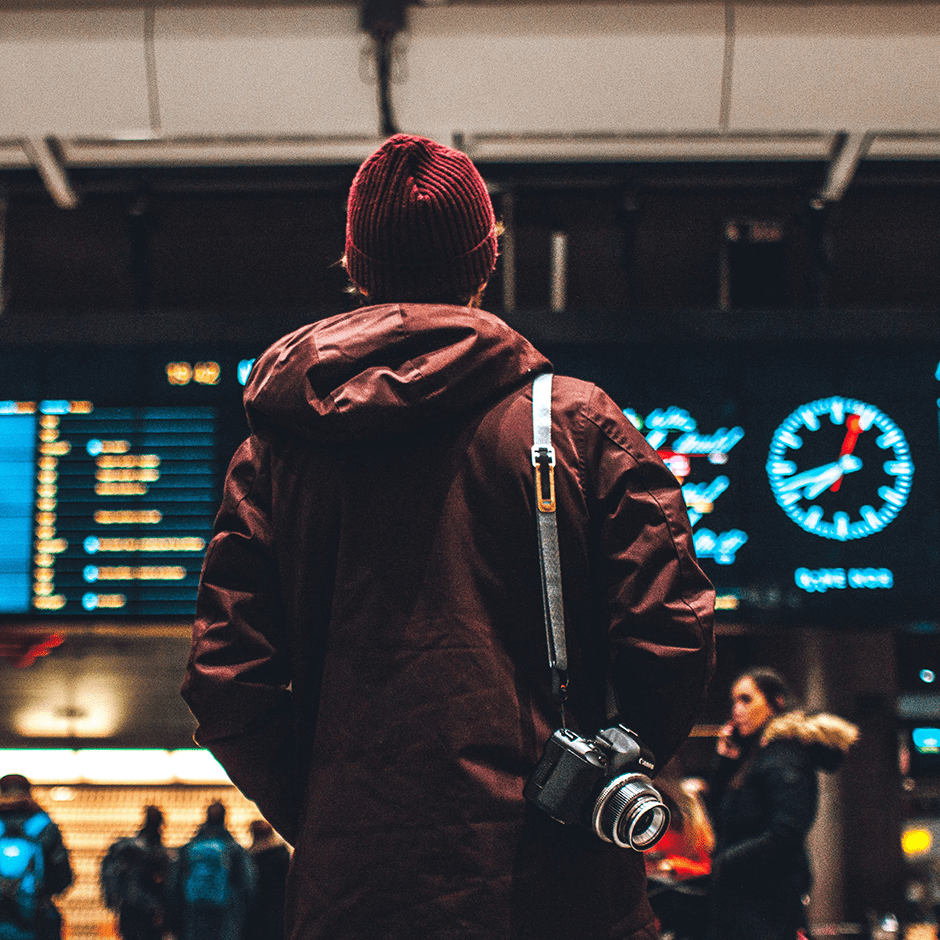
383,20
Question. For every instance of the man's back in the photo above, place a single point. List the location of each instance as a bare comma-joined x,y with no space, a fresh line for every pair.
213,886
407,569
133,875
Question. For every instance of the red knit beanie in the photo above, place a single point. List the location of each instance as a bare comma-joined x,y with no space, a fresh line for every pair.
420,224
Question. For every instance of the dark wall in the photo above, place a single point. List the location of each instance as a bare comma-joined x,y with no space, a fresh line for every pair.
648,241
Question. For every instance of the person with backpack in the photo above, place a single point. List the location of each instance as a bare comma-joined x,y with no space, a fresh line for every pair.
34,865
134,876
214,883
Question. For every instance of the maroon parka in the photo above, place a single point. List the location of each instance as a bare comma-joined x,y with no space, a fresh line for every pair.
369,660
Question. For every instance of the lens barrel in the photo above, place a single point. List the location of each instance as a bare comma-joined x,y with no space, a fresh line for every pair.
629,813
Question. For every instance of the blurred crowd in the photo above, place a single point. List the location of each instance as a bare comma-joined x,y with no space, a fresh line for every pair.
211,888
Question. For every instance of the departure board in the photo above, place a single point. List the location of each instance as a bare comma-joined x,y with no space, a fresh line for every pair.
107,510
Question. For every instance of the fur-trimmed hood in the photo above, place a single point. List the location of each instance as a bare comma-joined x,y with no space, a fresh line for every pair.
826,737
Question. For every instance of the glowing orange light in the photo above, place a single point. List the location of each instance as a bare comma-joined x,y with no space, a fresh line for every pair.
110,600
128,516
207,373
164,544
119,474
115,447
142,573
179,373
916,840
120,489
129,460
55,448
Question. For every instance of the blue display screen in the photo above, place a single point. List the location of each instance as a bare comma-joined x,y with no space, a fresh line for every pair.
17,480
104,510
926,740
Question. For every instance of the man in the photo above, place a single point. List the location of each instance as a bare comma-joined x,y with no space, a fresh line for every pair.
213,883
369,657
34,865
134,875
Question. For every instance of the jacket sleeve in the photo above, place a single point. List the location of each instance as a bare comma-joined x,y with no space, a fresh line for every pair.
659,604
237,682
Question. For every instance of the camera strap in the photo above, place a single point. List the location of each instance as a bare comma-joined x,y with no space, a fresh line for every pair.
543,460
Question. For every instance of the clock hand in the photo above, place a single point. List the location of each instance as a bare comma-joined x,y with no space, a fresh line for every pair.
848,445
813,489
846,464
828,472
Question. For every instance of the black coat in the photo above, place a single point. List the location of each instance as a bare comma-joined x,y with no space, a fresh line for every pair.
266,918
764,806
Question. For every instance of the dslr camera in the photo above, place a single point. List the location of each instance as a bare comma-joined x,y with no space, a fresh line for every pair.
602,783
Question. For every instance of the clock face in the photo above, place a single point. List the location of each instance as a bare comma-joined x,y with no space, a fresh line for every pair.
840,468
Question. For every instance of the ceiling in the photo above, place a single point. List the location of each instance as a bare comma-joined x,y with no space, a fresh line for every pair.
216,83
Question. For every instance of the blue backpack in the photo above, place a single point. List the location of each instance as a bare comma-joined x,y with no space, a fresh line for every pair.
208,878
21,877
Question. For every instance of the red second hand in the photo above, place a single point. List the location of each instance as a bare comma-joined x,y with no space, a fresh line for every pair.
848,445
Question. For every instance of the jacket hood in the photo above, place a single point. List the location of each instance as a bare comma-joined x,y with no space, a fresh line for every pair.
826,737
386,370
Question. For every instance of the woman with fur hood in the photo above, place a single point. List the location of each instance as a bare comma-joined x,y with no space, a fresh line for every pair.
763,800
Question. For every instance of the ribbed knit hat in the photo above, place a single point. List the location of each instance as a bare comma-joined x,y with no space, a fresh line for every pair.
420,224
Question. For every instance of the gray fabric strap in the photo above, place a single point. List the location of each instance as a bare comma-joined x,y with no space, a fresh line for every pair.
543,460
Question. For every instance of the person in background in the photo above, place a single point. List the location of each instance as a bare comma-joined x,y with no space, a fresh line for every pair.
34,865
271,856
369,656
134,878
214,883
763,798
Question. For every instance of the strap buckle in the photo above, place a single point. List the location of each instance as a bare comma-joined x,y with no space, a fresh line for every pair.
543,459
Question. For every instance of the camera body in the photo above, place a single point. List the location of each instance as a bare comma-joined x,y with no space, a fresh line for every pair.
603,783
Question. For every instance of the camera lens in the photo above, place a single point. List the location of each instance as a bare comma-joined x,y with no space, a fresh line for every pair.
647,825
630,813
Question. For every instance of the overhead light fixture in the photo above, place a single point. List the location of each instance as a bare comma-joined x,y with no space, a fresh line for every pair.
49,166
